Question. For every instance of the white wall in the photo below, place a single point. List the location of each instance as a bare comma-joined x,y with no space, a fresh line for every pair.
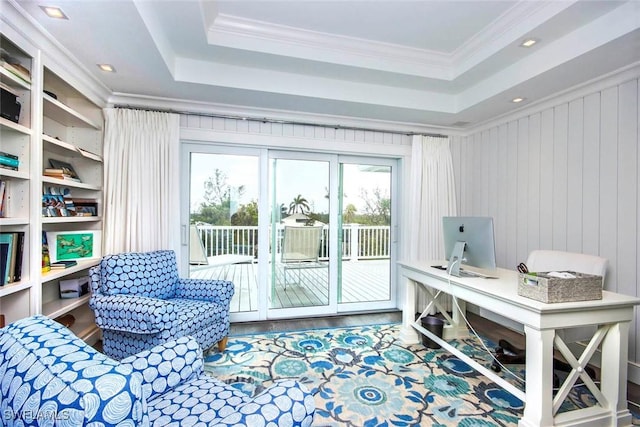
564,176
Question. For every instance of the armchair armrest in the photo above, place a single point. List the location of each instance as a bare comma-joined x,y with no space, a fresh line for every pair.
167,365
218,291
132,313
298,413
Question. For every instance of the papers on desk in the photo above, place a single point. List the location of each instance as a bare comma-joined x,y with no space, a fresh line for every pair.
561,274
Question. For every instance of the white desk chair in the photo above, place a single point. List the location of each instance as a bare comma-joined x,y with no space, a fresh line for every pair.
548,260
545,260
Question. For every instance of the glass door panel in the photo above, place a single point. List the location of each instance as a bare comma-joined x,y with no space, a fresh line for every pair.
223,222
299,247
365,203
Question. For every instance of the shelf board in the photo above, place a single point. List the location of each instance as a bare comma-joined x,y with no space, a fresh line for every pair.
68,219
9,125
11,288
70,183
14,221
11,80
57,308
82,265
67,149
9,173
65,115
88,332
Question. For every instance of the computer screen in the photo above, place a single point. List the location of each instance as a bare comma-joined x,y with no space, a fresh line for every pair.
469,240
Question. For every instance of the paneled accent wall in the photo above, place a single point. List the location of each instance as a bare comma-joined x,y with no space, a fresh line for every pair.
566,177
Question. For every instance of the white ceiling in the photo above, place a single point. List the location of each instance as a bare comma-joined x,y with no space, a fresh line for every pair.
429,63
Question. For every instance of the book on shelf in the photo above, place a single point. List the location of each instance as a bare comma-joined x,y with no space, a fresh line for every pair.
63,168
9,161
17,273
57,201
85,207
17,70
46,259
4,255
3,198
11,251
62,264
59,174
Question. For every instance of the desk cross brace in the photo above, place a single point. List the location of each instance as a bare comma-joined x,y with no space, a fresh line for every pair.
578,366
434,301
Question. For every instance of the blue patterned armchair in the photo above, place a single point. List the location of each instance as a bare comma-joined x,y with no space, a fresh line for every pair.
51,377
139,302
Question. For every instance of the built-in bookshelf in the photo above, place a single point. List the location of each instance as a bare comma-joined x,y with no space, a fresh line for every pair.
17,298
56,122
72,136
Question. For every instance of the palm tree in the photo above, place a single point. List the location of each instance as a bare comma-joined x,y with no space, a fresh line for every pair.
349,213
299,202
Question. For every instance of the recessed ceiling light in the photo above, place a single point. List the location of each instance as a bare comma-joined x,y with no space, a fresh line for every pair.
516,100
54,12
528,42
107,67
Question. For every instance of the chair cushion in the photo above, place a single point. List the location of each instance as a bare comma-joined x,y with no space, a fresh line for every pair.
149,274
195,312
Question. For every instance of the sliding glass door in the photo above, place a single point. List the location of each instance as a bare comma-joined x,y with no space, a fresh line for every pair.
299,234
223,222
366,209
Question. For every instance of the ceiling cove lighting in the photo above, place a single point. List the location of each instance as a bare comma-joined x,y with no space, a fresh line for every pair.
528,42
107,68
54,12
517,100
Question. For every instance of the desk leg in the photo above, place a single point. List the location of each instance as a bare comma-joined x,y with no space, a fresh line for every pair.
538,410
613,374
408,334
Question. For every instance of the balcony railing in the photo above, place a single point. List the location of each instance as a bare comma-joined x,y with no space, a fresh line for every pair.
360,241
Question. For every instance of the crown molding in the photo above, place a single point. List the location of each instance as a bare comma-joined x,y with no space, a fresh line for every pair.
235,32
511,27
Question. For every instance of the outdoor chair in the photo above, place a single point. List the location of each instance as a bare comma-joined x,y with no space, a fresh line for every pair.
51,377
139,302
300,249
199,260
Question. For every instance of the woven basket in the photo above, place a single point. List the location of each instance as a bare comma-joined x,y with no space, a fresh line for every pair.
550,289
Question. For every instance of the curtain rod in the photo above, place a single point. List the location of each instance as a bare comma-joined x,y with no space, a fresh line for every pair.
278,121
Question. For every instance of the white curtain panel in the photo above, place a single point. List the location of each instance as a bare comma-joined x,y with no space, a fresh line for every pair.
432,196
141,181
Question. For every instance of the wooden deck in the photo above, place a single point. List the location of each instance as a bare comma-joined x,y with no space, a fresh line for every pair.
361,281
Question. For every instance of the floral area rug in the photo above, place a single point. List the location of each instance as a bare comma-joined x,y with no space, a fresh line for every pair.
364,376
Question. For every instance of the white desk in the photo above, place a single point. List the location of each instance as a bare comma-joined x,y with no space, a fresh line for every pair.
612,314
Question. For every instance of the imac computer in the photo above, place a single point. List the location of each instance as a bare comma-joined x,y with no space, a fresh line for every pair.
469,241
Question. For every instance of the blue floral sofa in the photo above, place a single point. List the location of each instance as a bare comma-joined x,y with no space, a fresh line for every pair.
139,302
51,377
